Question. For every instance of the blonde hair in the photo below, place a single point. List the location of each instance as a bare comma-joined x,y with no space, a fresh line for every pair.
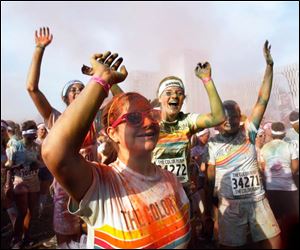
166,79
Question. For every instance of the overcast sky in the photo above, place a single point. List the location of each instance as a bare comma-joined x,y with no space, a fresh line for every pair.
230,35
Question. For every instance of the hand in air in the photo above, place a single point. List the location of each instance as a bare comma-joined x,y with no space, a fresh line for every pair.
105,66
267,53
203,71
43,38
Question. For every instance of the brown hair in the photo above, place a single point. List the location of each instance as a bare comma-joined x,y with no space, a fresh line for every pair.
294,116
28,125
278,127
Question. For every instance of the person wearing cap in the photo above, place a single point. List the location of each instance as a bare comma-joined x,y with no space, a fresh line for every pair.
280,161
233,174
24,160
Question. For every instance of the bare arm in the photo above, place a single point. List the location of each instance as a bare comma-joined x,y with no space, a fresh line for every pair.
265,89
60,149
295,166
42,40
217,114
209,189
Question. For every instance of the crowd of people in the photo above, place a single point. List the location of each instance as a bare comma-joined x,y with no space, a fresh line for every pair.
151,176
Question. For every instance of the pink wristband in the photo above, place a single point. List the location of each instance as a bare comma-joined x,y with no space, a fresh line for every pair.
103,83
206,80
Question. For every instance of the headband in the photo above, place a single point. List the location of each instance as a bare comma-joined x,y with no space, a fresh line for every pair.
169,83
4,125
29,132
277,132
67,85
294,122
42,125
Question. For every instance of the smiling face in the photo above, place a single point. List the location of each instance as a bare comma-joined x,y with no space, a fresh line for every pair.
135,140
233,117
42,132
171,101
73,91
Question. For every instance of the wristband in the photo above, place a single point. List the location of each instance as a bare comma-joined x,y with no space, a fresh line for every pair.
206,79
40,46
103,83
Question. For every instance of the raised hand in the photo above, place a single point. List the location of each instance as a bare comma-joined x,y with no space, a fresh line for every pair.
43,38
267,53
203,71
102,66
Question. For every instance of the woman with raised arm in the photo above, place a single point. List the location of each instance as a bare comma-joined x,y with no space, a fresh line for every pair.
65,225
132,203
233,172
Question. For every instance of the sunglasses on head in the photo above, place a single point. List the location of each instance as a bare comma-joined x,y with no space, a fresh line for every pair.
136,119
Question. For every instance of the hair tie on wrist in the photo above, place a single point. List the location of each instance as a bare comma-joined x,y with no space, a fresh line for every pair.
103,83
206,80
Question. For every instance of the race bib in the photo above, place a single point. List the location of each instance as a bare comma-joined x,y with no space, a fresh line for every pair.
245,183
26,173
176,166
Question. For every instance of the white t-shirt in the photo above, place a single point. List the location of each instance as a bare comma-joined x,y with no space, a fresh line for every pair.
292,137
277,155
235,159
124,209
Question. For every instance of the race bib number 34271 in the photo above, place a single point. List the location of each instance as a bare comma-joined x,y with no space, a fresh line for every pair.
176,166
245,182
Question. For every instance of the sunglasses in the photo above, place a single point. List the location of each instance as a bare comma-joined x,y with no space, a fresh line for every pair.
136,119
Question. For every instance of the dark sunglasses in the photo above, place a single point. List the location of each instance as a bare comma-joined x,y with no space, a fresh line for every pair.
136,119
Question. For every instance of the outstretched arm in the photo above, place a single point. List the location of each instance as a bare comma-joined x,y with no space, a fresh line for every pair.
265,89
60,149
217,114
42,39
